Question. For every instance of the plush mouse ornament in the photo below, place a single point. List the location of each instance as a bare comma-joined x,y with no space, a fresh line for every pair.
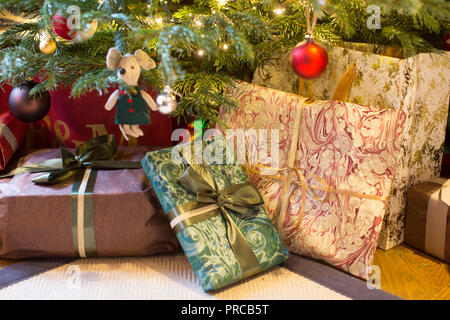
132,108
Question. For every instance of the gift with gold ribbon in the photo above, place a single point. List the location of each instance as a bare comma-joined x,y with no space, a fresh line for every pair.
428,218
326,192
91,202
217,216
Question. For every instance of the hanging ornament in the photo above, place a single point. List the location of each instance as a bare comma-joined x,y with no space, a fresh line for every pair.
26,108
132,104
62,29
447,42
166,101
308,59
47,45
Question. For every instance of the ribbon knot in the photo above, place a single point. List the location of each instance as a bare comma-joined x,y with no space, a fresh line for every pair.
242,198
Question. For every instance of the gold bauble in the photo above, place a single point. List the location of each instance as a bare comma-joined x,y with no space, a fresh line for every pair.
47,46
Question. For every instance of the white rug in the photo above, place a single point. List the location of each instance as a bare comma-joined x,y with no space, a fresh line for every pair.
158,277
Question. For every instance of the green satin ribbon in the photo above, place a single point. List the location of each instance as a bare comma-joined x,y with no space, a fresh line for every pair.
97,153
243,199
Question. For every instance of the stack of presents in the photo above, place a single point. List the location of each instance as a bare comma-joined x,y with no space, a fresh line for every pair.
333,180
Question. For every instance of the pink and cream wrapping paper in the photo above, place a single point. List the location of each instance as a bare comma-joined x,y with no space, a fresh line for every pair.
12,132
418,85
351,147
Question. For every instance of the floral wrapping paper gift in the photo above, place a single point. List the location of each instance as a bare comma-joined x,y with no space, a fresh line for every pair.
222,245
335,168
418,85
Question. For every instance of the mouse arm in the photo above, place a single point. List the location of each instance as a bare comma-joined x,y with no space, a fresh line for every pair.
112,100
151,104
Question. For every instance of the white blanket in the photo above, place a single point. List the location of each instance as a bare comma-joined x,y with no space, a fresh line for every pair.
158,277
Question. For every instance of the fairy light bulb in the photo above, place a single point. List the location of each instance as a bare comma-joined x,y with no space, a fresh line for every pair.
225,46
201,52
279,11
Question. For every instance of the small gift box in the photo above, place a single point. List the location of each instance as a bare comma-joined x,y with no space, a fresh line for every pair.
12,132
326,174
216,213
428,218
87,205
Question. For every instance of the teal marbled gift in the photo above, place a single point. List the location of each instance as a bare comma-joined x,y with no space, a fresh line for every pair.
205,243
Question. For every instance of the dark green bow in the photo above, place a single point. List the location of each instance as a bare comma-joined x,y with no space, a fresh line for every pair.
97,153
243,199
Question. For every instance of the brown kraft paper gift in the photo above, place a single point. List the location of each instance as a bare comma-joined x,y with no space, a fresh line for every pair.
427,218
35,220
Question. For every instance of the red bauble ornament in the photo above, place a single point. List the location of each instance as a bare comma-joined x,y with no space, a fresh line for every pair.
308,59
26,108
60,27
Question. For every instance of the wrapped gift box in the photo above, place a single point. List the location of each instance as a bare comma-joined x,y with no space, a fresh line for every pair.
207,242
12,133
349,151
37,221
428,218
417,85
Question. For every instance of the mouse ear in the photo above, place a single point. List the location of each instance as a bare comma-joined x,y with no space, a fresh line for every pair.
144,60
113,58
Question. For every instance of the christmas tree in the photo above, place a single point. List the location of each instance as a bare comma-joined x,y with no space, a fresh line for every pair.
200,46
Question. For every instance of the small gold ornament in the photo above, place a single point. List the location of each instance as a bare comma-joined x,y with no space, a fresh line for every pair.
47,46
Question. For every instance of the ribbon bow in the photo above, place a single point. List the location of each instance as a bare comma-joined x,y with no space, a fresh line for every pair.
242,198
97,153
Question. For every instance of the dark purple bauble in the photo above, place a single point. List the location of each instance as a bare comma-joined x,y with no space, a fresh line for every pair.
26,108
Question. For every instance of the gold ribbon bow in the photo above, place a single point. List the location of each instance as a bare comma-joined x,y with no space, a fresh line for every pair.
290,175
243,199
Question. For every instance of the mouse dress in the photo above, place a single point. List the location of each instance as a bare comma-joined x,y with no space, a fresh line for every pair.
131,108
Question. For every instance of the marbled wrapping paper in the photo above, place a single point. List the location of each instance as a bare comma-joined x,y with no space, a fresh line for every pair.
351,147
419,85
205,243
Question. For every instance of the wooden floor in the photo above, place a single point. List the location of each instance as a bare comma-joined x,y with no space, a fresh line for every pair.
405,272
410,274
